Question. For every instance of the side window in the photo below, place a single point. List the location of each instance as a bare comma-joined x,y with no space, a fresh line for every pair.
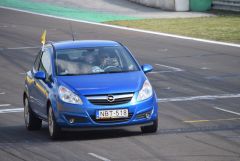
45,63
37,61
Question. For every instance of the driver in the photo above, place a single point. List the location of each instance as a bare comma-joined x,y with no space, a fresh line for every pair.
107,61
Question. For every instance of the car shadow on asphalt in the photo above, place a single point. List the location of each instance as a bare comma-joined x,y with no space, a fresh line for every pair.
97,134
19,134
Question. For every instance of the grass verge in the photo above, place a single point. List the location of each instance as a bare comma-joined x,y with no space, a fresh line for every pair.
222,27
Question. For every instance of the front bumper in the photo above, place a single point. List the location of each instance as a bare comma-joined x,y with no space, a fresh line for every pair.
84,116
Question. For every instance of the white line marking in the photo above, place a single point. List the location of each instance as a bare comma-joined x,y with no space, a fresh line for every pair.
11,110
98,157
7,26
4,105
25,47
170,67
129,29
2,93
164,71
196,98
4,26
229,111
205,68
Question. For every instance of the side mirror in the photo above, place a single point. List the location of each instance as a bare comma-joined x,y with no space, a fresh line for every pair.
40,75
147,68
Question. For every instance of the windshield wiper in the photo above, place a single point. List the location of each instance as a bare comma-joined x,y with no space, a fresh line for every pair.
68,74
125,71
109,72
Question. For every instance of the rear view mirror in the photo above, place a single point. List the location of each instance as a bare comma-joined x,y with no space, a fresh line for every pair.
40,75
147,68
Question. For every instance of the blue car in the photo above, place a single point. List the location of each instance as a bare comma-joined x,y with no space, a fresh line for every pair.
88,84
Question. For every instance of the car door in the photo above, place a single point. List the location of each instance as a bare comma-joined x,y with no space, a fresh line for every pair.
42,87
32,85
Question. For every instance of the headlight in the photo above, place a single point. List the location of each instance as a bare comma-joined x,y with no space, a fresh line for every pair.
68,96
146,91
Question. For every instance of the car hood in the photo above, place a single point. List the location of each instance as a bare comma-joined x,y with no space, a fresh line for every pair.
104,83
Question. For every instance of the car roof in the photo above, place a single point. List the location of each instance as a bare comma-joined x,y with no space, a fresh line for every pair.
83,44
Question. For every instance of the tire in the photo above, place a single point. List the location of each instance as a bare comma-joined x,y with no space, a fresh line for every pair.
53,128
150,129
32,122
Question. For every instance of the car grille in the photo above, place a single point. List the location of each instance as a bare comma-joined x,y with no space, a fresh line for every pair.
112,119
110,99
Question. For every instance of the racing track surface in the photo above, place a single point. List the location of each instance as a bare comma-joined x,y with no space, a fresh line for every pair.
183,68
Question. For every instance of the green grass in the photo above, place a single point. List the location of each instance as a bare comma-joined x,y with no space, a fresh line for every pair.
224,27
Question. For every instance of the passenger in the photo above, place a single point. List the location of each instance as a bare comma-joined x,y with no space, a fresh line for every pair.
91,62
62,64
90,59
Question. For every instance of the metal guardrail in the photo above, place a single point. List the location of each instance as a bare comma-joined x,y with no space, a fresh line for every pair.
230,5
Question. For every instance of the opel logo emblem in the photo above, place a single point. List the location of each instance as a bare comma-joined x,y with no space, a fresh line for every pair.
110,98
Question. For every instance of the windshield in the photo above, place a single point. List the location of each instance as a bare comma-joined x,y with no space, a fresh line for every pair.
96,60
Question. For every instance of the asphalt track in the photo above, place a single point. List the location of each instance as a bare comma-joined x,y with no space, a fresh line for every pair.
198,86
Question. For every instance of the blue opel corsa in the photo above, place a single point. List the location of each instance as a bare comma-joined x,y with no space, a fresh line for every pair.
87,85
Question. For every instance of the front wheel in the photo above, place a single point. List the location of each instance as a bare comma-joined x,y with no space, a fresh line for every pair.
150,129
54,130
32,122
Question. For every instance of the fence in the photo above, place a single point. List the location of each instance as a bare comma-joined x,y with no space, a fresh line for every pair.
230,5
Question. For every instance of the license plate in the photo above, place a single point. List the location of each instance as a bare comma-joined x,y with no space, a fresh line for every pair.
111,114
